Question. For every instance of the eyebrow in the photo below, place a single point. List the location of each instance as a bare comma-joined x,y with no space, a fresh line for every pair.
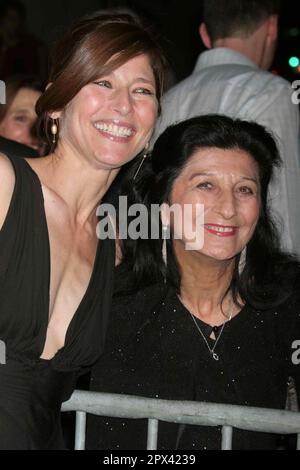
246,178
146,81
194,175
138,79
21,110
143,79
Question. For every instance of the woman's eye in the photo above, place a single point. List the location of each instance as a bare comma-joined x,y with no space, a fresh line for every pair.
144,91
103,83
21,118
205,185
245,190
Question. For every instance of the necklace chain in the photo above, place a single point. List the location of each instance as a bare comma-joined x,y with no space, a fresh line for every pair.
211,350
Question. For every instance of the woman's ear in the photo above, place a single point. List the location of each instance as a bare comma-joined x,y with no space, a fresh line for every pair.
56,114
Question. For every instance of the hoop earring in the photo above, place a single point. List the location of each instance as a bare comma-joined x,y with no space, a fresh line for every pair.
54,130
142,161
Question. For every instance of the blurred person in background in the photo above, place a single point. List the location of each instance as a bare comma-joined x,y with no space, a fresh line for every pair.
18,118
20,50
232,78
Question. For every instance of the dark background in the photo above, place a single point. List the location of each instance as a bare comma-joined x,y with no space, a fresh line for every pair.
176,20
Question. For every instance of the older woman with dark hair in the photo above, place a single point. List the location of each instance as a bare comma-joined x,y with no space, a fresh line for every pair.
99,112
215,319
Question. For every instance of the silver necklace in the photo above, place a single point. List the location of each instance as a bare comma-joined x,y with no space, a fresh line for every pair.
211,350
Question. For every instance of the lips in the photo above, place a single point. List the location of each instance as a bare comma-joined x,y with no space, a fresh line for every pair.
221,230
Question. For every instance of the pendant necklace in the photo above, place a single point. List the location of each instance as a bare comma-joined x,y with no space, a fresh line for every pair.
214,355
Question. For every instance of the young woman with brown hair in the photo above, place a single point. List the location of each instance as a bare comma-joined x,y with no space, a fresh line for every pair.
99,109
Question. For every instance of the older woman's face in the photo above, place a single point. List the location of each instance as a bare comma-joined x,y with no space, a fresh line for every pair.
226,182
21,117
110,121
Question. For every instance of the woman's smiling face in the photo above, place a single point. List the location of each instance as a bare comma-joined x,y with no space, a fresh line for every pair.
111,120
226,183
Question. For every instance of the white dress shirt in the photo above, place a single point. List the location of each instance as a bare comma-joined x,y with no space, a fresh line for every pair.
227,82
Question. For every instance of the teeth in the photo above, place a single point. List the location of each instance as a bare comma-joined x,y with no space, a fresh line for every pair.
220,229
118,131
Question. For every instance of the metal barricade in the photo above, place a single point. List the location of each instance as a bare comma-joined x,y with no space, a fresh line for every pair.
183,412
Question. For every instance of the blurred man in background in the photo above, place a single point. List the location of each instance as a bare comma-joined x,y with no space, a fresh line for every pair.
231,78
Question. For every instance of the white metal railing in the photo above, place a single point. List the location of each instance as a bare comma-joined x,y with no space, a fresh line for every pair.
184,412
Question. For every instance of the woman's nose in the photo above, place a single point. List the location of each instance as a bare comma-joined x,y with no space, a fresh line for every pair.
227,204
122,102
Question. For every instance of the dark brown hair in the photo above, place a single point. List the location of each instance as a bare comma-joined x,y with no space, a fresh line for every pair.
96,45
229,18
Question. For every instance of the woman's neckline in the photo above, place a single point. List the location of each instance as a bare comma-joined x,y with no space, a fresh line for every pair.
46,321
234,319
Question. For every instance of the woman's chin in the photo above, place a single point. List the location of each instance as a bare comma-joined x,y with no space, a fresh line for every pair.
219,255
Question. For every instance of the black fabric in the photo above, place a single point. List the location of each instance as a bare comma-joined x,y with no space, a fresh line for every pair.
14,149
155,350
32,389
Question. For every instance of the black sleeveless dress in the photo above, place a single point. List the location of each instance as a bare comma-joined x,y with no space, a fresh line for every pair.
32,389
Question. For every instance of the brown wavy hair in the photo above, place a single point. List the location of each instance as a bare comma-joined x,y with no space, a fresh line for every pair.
95,46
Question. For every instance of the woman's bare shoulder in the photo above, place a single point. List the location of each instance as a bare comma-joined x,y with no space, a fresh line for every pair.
7,182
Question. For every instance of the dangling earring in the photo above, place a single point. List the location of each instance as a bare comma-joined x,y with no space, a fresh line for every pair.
54,130
242,261
164,246
143,159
